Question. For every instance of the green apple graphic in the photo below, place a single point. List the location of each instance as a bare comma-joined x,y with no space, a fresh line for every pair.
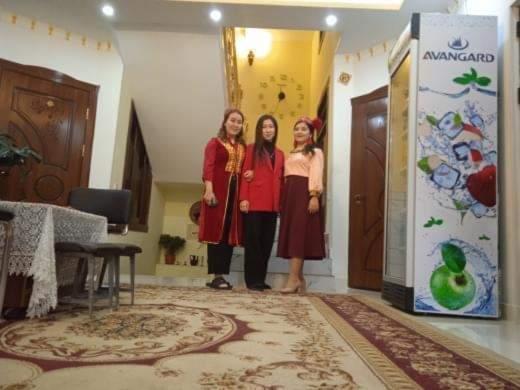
451,286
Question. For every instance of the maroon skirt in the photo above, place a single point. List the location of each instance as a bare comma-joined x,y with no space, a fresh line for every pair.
301,233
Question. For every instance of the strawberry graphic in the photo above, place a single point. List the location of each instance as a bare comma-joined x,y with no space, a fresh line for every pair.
482,185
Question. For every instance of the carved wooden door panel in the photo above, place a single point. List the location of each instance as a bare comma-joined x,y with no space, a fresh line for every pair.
52,114
367,190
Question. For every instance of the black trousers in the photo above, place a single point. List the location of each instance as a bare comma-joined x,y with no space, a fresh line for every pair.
219,255
259,229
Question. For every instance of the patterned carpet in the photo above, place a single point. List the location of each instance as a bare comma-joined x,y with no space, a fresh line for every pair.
180,338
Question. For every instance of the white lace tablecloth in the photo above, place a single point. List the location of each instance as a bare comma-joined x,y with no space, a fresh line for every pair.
37,227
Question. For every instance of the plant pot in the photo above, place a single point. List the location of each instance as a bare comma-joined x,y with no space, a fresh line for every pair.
169,259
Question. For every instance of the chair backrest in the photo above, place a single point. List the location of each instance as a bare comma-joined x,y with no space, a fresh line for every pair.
6,216
113,204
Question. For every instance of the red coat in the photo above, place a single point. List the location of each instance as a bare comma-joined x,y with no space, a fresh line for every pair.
221,161
263,192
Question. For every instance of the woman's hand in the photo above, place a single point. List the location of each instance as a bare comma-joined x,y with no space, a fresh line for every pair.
314,205
249,175
244,206
209,197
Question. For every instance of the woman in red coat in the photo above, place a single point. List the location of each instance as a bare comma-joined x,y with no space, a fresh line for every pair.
220,219
260,200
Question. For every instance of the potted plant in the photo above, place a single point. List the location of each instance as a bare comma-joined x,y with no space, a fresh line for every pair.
171,245
11,155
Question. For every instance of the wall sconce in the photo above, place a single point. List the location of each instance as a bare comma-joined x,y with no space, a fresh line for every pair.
253,43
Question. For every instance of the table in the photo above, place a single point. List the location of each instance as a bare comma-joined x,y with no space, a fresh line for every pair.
37,227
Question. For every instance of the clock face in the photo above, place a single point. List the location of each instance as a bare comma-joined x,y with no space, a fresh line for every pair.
282,96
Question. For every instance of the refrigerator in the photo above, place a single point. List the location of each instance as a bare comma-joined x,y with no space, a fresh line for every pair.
441,211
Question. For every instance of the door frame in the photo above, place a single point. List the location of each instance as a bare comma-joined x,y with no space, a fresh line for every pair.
63,79
378,93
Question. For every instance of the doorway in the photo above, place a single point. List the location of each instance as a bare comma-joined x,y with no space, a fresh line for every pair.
367,190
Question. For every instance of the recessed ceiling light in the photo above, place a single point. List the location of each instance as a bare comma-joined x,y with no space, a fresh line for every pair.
108,10
215,15
331,20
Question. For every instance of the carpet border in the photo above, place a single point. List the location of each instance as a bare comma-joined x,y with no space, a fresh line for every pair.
484,357
387,371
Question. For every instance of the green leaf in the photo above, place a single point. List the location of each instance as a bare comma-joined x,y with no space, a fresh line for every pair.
424,166
457,120
483,81
467,75
432,120
484,237
459,205
438,222
473,73
453,257
462,80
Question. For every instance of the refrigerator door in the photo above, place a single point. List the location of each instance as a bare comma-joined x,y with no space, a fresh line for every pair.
455,227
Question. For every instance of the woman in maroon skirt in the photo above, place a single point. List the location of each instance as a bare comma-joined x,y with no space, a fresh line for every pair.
301,231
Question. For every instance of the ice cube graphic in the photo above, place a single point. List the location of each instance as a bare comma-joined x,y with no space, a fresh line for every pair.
475,145
461,151
491,157
445,176
479,210
477,121
449,125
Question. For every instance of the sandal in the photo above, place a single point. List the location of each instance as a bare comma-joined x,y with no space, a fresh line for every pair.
219,284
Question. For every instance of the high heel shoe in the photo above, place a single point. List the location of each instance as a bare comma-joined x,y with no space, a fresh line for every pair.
300,287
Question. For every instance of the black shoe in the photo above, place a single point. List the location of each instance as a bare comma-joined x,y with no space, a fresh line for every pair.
220,284
265,286
256,287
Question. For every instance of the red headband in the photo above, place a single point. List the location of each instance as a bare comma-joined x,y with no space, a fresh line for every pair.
314,124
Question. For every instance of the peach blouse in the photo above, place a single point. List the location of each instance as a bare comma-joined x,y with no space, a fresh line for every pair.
310,166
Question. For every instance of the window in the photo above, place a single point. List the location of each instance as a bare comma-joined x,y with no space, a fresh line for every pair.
137,176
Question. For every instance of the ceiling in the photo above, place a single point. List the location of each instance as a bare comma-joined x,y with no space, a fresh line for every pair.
361,28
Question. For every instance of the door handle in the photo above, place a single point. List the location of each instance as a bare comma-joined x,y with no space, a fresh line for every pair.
359,198
4,173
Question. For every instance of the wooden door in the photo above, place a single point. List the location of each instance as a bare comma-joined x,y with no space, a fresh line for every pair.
54,115
367,190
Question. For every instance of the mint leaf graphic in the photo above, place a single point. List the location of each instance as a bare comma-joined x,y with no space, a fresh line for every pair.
484,237
432,120
474,73
432,221
424,166
462,80
457,120
483,81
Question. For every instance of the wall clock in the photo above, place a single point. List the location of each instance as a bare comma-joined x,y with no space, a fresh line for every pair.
282,96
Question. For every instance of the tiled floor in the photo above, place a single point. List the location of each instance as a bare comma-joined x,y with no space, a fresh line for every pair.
501,336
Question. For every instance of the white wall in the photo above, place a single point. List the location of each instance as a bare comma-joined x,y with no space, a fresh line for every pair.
178,84
368,73
509,142
103,68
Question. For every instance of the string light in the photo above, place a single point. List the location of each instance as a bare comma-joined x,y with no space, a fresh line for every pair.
52,31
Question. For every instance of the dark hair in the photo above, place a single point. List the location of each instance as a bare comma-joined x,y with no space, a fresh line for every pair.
308,148
259,136
222,131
